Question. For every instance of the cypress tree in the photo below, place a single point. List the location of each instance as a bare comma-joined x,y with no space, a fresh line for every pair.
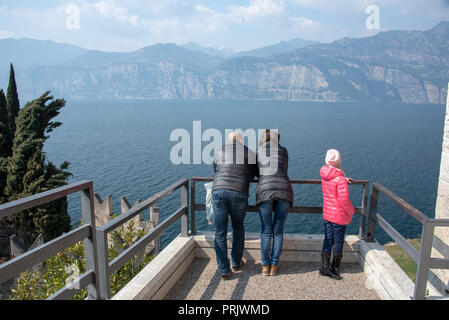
13,105
5,149
30,173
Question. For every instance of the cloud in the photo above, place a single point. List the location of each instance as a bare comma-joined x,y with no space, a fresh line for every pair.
130,24
349,7
257,9
127,25
5,34
177,20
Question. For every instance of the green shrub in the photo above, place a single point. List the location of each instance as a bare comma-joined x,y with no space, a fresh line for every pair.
57,269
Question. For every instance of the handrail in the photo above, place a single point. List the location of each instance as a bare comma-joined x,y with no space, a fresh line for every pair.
423,256
141,244
29,202
106,268
30,258
415,213
362,210
131,213
85,232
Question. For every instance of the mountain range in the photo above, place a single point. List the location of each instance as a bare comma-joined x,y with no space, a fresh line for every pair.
391,66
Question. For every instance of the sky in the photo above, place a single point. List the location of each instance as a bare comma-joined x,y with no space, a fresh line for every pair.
128,25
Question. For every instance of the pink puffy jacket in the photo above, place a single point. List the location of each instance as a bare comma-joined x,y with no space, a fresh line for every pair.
337,206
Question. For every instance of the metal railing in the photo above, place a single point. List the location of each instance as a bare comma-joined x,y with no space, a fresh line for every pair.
362,210
99,269
423,256
85,232
106,268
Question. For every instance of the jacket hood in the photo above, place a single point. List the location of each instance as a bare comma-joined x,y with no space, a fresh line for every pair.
329,173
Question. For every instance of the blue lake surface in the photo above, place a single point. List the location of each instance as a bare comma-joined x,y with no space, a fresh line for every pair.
124,147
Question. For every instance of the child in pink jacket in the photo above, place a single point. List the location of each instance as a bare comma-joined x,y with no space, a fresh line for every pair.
337,213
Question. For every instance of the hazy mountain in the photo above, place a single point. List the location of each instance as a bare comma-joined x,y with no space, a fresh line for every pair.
28,52
266,51
278,48
168,53
393,66
224,52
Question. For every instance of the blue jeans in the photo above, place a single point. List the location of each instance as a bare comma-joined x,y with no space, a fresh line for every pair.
272,227
234,204
334,236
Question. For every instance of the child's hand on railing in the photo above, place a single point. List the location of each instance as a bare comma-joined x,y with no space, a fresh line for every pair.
349,180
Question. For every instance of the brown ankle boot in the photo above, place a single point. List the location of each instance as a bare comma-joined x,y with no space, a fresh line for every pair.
274,270
266,270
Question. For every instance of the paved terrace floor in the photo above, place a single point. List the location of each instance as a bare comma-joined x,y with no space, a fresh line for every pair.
295,280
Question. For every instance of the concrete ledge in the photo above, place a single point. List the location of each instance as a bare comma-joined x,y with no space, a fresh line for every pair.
157,278
383,273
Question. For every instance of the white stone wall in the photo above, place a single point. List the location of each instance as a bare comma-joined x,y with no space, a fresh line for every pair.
440,278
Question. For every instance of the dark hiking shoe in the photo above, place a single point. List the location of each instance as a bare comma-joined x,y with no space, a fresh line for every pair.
240,266
226,276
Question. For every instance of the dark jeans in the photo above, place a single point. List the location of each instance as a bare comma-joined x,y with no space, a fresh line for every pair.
334,236
234,204
272,226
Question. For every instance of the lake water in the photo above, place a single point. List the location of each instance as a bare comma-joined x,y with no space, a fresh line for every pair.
124,147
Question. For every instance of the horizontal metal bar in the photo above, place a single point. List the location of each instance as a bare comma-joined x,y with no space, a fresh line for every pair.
74,287
140,245
129,214
310,181
415,213
439,222
439,263
42,198
400,240
317,210
318,181
29,259
203,179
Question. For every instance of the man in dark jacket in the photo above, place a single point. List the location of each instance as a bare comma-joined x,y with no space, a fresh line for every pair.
235,166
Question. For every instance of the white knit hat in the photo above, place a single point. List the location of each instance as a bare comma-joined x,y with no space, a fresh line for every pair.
333,157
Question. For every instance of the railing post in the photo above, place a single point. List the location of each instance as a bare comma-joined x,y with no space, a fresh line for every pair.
425,251
155,219
192,206
362,230
103,264
185,216
372,214
90,245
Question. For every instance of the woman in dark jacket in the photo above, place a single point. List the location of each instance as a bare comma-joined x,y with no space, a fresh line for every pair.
274,194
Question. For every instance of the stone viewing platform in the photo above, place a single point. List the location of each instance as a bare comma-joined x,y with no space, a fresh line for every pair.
298,276
296,281
187,270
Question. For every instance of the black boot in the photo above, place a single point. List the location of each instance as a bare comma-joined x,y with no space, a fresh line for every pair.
334,268
325,260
